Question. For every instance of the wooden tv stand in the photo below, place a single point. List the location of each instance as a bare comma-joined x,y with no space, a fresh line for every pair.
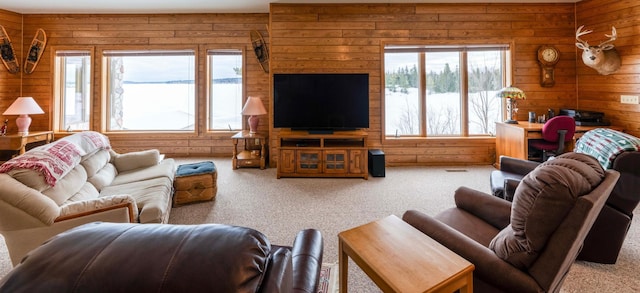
341,154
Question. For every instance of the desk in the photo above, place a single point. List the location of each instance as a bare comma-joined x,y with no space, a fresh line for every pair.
513,139
16,142
399,258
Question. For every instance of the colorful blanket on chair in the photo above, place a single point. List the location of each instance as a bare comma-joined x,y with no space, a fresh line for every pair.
605,144
56,159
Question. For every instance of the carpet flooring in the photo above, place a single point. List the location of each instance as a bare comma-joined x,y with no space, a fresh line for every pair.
279,208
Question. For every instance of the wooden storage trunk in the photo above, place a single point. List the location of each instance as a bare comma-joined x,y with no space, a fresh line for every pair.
195,183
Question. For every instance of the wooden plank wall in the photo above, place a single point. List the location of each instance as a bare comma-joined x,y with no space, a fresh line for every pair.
348,38
150,31
602,93
10,83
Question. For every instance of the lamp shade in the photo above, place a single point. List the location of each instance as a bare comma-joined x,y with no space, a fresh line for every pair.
22,106
254,106
511,92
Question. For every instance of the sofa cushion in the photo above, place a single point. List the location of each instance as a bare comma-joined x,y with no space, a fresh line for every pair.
163,169
150,196
541,202
104,177
136,160
87,192
29,177
68,185
94,162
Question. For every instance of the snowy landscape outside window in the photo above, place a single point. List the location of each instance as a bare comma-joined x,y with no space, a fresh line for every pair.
72,75
443,90
150,90
225,89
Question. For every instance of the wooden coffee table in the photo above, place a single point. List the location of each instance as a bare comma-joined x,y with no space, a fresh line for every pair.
399,258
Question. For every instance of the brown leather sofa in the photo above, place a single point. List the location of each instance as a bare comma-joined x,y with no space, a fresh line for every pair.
607,235
528,245
116,257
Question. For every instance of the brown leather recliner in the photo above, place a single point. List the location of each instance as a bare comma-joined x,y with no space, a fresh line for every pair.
504,181
528,245
607,235
112,257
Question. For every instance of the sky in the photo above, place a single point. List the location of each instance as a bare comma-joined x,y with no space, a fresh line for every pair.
161,68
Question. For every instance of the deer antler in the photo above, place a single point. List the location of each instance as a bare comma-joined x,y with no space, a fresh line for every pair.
579,33
612,37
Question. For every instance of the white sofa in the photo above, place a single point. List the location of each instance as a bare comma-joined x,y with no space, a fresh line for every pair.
76,180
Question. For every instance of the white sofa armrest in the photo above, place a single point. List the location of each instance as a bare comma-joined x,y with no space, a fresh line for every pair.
87,207
20,242
21,205
135,160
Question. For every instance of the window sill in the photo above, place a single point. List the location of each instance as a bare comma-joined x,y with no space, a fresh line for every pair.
429,140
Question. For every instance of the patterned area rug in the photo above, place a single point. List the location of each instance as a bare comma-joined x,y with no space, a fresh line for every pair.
329,278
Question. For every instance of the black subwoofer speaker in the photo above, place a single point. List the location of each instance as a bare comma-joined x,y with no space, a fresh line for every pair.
376,163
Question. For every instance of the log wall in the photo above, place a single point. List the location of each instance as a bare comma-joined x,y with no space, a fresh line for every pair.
602,92
149,31
10,83
350,38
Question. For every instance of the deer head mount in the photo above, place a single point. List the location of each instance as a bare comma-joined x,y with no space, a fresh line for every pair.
603,58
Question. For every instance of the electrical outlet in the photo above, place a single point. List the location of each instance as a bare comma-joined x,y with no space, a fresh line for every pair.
628,99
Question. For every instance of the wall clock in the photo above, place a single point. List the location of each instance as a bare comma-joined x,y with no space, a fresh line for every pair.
548,57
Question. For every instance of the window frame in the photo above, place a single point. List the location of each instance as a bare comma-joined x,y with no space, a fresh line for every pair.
105,104
57,117
508,76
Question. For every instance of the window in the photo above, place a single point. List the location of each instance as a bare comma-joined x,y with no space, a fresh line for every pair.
443,90
72,90
225,89
150,90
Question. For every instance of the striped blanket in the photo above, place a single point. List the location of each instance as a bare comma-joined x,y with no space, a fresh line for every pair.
58,158
605,144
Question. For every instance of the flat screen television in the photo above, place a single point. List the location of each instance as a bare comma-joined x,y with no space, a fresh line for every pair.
321,102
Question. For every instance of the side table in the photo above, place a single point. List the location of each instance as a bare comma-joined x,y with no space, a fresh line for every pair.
254,153
18,142
399,258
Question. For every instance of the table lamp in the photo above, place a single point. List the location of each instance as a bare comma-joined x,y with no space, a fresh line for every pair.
23,106
512,94
253,107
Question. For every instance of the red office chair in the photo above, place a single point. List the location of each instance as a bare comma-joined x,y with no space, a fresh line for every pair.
555,134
